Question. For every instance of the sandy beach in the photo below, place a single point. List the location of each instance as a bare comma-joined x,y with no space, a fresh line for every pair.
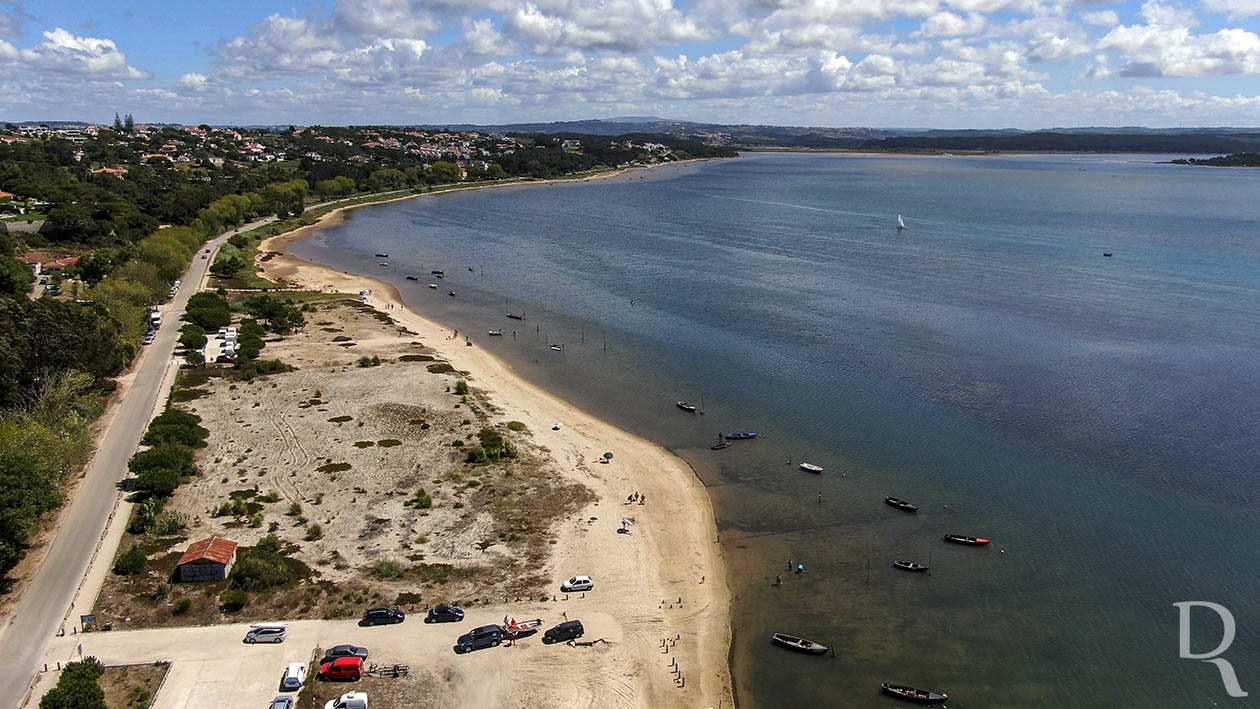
672,554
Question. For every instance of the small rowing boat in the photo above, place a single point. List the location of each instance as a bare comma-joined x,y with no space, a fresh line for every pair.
901,504
960,539
382,256
451,293
690,408
741,436
557,348
495,333
720,446
792,642
412,278
922,696
811,468
909,565
433,285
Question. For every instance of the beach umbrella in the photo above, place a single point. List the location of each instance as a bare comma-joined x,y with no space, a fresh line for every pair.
608,456
627,522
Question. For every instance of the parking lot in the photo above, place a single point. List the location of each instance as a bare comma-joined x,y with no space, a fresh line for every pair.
211,667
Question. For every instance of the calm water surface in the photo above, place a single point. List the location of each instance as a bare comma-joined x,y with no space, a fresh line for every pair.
1095,416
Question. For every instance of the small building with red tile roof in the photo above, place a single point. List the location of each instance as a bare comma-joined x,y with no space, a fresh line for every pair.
207,560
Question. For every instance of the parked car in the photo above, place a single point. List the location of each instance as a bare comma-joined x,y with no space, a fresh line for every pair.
336,651
477,638
349,700
568,630
267,633
577,583
444,614
148,339
383,616
348,669
282,702
294,676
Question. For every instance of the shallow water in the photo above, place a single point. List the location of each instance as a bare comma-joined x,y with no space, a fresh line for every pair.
1095,416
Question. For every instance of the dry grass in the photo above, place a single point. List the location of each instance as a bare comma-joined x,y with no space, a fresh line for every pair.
348,448
132,686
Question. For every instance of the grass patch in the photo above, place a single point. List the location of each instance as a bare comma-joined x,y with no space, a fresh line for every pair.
340,419
440,368
389,443
516,426
333,468
416,358
364,444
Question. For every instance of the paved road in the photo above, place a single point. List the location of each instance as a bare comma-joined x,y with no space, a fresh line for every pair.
47,597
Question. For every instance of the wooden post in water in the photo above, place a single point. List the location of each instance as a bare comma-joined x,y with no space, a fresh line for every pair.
584,336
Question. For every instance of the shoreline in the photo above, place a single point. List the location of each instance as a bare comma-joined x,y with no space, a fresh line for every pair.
681,517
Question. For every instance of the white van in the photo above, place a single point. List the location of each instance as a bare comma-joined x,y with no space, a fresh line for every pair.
349,700
294,676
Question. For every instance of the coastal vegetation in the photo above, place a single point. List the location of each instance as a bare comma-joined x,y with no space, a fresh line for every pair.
1235,160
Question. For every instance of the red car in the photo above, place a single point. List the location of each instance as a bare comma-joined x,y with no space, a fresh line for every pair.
342,668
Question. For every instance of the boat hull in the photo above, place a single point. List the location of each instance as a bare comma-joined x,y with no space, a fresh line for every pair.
901,504
795,644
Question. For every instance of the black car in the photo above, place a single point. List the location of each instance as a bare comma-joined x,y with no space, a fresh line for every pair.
344,651
568,630
444,614
383,616
477,638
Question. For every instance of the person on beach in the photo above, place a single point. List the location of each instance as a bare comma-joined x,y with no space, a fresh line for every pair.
778,580
800,569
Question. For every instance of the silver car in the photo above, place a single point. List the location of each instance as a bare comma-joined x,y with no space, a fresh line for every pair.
282,703
267,634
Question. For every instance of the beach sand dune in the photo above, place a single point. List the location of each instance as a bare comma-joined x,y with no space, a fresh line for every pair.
671,555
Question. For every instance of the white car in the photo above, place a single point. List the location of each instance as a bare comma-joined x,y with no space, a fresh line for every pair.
577,583
349,700
267,633
294,676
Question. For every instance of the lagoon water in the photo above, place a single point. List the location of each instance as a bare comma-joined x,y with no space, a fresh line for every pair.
1095,416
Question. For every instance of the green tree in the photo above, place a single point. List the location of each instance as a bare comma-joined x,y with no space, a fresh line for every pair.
15,277
192,336
77,687
130,562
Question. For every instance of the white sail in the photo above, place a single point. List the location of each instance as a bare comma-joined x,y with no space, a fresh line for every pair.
900,224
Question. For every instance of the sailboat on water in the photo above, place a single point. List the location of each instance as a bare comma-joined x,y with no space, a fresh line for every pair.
900,224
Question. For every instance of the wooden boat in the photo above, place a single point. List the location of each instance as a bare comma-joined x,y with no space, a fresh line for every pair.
439,274
433,285
720,446
741,436
685,406
412,278
383,263
909,565
514,316
382,256
811,468
792,642
960,539
901,504
495,333
557,348
1107,254
921,696
451,293
470,268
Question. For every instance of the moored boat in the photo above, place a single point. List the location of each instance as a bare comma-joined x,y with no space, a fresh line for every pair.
514,316
792,642
921,696
811,468
433,285
439,274
557,348
909,565
741,436
685,406
720,446
961,539
451,293
382,256
412,278
496,333
901,504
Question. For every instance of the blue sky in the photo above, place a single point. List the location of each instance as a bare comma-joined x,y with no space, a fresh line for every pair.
926,63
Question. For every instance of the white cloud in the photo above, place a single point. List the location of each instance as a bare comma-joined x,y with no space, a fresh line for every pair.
481,38
196,82
64,53
948,24
1234,9
1101,18
616,25
1165,48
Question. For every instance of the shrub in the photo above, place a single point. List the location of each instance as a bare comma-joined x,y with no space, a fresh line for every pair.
461,387
314,532
269,544
158,481
387,569
169,523
176,426
182,606
146,515
476,454
233,600
457,443
161,592
194,358
295,509
77,687
259,570
271,496
516,426
369,361
421,500
256,520
130,562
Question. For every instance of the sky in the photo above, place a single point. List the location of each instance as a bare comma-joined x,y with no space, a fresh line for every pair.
877,63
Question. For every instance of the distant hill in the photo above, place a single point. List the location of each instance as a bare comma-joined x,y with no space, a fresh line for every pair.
753,136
